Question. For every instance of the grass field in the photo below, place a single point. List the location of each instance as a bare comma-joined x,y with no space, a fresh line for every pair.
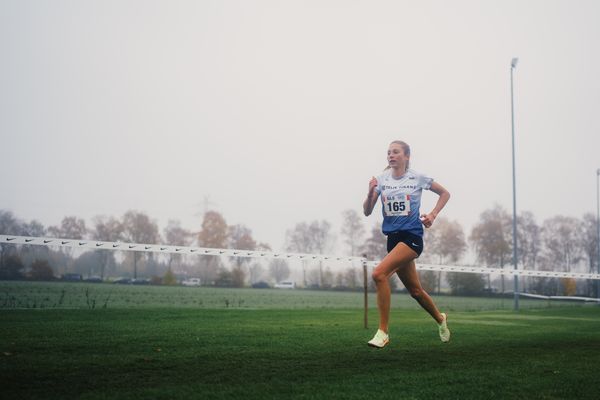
45,295
269,352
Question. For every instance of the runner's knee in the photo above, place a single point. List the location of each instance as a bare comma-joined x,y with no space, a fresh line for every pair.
378,276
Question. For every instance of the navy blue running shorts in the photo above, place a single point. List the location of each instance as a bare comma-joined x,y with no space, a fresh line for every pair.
414,242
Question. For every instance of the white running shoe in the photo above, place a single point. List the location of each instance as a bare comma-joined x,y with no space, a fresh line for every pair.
379,340
443,328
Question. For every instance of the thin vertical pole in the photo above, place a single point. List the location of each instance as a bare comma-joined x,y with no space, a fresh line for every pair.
512,112
598,228
365,289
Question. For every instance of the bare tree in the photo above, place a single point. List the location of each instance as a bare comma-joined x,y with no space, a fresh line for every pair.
353,231
298,239
588,235
449,244
492,237
33,228
467,284
561,242
240,237
313,278
70,227
313,238
431,239
106,229
561,251
429,280
176,235
279,269
589,242
139,228
30,253
350,278
238,276
9,225
322,236
375,246
327,278
529,239
529,243
301,239
256,269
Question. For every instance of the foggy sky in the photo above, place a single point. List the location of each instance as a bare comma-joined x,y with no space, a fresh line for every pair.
281,111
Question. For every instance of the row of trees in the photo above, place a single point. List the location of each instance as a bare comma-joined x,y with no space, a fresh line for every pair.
559,243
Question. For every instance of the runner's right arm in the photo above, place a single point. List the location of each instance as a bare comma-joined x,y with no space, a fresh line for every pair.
371,199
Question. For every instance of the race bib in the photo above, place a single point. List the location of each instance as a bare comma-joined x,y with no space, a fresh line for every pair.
397,205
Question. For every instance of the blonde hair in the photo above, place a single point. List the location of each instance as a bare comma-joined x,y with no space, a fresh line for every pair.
405,148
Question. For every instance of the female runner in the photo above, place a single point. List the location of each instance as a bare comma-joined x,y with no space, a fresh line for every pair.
400,190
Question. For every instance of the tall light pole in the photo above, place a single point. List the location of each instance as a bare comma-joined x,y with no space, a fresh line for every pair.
513,65
598,227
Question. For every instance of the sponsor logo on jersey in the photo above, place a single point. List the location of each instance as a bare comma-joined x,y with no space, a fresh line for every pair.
387,187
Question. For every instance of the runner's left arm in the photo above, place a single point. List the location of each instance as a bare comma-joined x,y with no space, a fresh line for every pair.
444,196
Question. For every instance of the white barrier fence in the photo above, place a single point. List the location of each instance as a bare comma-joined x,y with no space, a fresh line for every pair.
190,250
577,298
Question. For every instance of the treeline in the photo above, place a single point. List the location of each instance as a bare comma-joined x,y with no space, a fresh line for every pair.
563,244
557,244
44,263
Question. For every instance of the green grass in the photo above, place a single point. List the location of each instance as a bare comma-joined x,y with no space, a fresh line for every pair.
88,295
170,352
